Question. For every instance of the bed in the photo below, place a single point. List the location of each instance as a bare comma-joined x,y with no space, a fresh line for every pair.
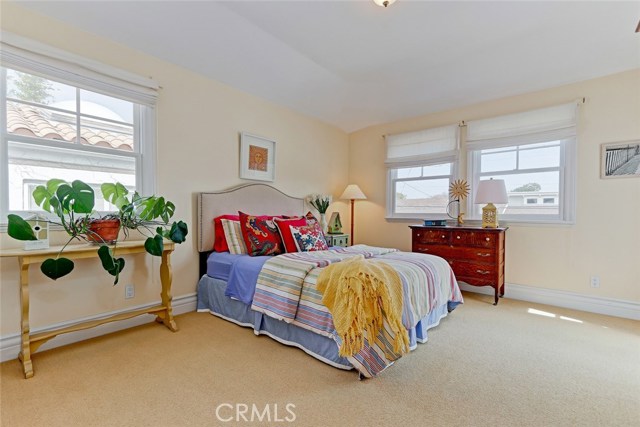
232,286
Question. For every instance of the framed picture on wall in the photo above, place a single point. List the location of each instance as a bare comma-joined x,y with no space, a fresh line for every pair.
620,159
257,158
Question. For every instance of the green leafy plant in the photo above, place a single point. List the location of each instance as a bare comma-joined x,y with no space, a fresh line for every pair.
73,204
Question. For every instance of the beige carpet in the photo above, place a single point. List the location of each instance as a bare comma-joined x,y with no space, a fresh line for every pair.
483,366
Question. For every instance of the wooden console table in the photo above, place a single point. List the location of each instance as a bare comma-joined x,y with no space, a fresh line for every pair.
31,343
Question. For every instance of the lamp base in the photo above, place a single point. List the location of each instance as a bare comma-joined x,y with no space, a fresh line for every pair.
489,216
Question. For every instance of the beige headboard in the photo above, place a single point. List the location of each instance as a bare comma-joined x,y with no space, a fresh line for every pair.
254,199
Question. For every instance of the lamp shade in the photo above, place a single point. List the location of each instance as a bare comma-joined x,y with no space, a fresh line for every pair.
492,191
353,192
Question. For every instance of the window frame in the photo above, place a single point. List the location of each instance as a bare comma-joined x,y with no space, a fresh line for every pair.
566,188
432,146
391,189
32,58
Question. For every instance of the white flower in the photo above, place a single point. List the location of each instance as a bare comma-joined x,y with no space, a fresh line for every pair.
319,201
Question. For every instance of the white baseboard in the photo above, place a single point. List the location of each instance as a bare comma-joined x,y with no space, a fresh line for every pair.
600,305
10,344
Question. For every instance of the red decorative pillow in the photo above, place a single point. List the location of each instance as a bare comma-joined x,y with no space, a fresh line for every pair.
260,235
284,228
220,244
309,238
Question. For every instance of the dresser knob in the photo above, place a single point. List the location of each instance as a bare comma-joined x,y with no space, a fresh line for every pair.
487,239
418,234
458,237
481,254
483,272
443,236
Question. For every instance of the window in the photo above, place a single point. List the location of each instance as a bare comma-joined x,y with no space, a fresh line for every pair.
534,152
59,122
421,165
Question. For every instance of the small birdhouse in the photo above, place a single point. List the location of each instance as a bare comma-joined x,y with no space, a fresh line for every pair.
40,226
335,225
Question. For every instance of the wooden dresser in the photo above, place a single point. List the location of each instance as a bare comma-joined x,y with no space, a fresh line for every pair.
475,254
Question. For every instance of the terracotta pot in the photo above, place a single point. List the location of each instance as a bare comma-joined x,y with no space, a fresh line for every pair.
104,230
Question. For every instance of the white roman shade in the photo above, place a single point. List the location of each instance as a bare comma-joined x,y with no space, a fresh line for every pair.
36,58
529,127
429,146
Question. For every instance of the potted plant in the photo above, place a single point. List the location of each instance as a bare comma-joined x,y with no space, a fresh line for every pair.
73,204
321,203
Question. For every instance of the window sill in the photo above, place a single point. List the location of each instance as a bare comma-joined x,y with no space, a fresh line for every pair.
478,221
52,227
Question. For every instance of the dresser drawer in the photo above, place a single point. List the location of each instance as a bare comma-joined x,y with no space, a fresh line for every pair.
474,238
431,236
444,251
481,272
477,255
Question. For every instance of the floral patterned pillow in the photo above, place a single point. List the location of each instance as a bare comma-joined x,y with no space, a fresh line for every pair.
309,238
260,235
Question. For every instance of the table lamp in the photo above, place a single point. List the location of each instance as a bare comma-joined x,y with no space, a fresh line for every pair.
490,192
352,192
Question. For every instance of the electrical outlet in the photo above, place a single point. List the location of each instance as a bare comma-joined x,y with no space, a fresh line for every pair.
595,281
129,292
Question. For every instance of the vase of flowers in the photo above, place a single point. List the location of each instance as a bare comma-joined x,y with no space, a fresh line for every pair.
320,202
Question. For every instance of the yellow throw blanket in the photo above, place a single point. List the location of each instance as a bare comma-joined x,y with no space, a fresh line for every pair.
361,295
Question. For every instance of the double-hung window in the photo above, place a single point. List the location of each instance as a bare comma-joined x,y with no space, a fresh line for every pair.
65,117
421,166
534,152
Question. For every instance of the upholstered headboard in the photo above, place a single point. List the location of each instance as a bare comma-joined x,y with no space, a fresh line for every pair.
254,199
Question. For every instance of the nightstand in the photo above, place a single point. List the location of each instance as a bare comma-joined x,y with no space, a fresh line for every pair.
337,239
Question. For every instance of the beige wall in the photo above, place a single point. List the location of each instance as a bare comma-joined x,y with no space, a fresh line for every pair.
198,150
605,239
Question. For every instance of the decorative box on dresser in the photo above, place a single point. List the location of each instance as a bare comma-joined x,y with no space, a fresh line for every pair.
475,254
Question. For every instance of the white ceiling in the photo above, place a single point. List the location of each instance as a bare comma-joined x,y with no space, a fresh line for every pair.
354,64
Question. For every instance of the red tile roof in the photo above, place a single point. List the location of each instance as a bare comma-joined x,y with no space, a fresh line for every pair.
33,121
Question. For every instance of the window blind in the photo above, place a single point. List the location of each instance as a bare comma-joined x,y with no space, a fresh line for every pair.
36,58
529,127
429,146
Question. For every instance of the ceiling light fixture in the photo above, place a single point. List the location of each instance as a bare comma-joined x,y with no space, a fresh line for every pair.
384,3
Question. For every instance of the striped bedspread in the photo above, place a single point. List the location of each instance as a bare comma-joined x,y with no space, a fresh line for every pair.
286,290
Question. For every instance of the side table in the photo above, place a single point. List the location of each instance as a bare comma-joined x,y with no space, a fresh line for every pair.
31,343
